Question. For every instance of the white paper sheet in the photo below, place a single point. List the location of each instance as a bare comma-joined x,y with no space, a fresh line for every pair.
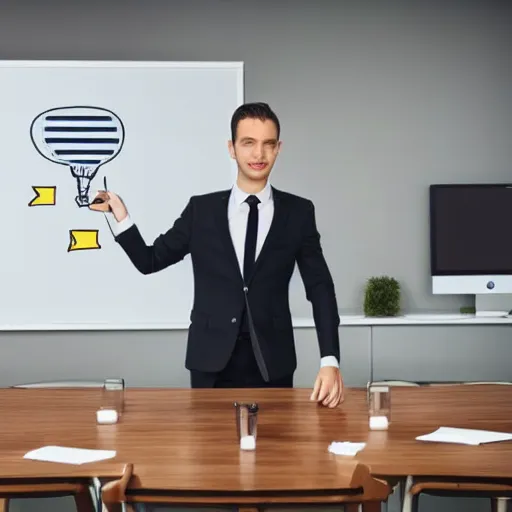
345,448
464,436
67,455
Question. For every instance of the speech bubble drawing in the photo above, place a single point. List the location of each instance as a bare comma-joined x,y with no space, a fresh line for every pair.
80,137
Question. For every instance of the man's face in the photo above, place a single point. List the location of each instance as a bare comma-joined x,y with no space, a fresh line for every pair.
255,149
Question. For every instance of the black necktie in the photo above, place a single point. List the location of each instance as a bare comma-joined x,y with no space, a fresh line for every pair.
251,236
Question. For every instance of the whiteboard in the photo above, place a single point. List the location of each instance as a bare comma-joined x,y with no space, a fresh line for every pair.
156,131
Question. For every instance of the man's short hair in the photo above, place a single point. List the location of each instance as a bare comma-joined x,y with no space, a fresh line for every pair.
255,111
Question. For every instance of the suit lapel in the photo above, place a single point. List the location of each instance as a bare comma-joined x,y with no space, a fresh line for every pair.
225,235
277,228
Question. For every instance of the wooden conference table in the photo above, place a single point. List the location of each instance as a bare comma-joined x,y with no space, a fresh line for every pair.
183,443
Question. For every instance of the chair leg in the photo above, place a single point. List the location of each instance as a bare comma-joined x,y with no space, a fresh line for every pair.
407,501
4,504
366,506
499,504
371,506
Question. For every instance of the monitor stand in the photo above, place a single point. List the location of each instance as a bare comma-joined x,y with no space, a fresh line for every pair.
493,304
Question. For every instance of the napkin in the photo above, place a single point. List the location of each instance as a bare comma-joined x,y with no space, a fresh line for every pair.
345,448
67,455
464,436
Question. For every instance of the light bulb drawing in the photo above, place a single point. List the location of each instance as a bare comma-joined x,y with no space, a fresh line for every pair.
81,137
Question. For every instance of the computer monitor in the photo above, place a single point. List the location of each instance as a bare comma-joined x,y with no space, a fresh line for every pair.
471,243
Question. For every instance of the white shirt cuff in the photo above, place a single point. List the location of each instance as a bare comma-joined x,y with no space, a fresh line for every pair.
119,227
329,361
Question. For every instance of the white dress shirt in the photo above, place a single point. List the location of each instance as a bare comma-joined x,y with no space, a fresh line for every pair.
238,211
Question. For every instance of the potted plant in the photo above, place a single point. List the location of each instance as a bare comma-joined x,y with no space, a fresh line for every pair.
382,296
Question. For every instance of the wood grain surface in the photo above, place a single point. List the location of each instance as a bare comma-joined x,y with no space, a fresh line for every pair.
182,439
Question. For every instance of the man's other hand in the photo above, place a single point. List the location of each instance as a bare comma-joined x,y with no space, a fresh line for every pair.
328,389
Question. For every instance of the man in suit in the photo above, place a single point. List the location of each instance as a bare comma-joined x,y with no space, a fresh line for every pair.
244,244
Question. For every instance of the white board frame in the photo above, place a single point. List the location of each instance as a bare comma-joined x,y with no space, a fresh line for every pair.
239,65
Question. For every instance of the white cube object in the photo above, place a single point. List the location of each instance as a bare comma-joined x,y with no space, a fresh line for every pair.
379,423
106,416
248,443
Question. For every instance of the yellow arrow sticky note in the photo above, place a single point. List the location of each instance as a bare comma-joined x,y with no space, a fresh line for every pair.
45,196
81,239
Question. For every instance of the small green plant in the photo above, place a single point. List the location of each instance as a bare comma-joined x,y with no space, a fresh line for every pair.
382,296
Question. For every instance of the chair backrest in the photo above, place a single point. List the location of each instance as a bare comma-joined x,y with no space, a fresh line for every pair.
62,384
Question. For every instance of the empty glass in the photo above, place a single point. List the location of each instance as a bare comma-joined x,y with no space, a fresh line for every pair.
379,406
112,401
246,416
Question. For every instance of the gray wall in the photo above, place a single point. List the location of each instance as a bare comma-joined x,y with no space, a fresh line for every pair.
377,100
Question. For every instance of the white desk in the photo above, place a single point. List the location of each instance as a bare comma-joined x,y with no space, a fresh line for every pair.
298,323
424,319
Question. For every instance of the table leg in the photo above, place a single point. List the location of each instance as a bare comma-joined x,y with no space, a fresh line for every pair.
83,502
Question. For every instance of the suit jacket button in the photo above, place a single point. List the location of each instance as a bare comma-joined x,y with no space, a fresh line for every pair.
233,320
